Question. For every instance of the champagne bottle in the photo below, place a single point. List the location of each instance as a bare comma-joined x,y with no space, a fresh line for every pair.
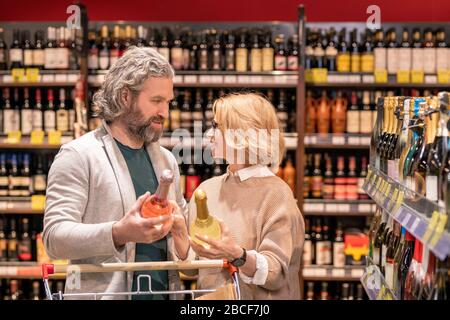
157,204
205,224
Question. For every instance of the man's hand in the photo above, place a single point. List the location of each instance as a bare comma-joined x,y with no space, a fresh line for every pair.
134,228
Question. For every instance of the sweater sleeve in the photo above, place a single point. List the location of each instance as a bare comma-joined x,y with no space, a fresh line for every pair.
65,236
281,237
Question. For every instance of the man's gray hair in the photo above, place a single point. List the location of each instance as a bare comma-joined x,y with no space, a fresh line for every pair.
129,71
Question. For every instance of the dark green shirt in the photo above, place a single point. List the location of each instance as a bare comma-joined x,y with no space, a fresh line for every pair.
144,179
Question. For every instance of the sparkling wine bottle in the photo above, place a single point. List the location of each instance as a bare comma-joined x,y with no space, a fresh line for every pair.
205,224
157,204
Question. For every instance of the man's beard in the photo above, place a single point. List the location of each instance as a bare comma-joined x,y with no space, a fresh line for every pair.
132,119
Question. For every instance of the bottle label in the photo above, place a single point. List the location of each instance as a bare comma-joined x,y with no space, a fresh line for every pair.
15,55
323,253
103,60
24,250
241,59
293,63
12,120
93,61
185,58
37,120
38,57
113,56
12,248
429,64
39,182
404,59
27,121
49,120
367,62
376,255
355,63
417,59
432,187
229,59
389,274
352,189
328,189
177,58
3,249
192,182
280,62
256,60
165,53
316,186
62,120
366,122
63,58
442,57
343,62
380,58
175,119
392,60
28,58
307,253
353,121
267,59
338,254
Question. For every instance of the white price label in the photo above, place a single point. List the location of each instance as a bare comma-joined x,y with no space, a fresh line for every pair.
229,79
204,79
354,140
364,207
343,208
368,78
256,80
72,77
243,79
46,78
61,77
8,78
178,79
337,140
357,273
316,207
190,79
365,141
431,79
338,272
216,79
330,207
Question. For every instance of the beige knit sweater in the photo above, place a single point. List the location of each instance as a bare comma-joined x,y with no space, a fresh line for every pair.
262,215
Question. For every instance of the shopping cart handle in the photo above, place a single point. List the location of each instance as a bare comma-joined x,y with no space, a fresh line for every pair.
231,269
47,268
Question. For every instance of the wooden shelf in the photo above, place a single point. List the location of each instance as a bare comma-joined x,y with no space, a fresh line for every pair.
16,205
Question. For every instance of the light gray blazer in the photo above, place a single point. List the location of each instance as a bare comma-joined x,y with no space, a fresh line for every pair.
89,188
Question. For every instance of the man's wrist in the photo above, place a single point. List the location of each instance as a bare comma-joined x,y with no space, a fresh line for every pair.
116,235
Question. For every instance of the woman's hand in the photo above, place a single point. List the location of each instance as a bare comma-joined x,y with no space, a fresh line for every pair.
179,232
218,249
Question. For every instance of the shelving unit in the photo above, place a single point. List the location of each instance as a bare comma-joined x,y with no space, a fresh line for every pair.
24,270
331,273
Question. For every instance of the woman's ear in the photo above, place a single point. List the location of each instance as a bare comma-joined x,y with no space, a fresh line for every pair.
126,97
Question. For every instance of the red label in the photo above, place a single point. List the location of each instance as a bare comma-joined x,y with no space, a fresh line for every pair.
192,182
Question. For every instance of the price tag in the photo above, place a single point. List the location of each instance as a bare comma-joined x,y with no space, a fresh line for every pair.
381,76
357,273
399,201
178,79
319,75
403,76
204,79
440,227
337,140
443,76
37,137
338,272
230,79
330,207
354,140
18,75
393,198
364,207
54,137
308,75
14,137
190,79
368,78
417,76
431,226
37,202
320,272
32,74
365,141
343,207
61,77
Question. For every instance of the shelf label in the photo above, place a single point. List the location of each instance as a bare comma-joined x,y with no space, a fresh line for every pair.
357,273
431,226
38,202
190,79
178,79
229,79
319,75
364,207
32,74
308,75
330,207
403,76
337,140
440,228
14,137
443,76
54,137
417,76
338,272
381,76
354,140
37,137
18,75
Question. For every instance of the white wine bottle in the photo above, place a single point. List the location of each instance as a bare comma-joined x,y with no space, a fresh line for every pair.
205,224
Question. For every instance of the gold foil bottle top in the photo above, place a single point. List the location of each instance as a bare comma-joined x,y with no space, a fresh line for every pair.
202,207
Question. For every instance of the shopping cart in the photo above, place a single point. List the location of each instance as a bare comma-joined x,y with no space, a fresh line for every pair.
227,292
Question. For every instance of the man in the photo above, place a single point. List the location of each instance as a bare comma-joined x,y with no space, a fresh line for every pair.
92,215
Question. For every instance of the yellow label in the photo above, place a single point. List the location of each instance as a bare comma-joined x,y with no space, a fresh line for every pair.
355,63
443,76
399,201
14,137
403,76
417,76
38,202
32,74
394,197
431,226
308,75
319,75
343,62
54,137
18,74
381,76
37,137
440,227
367,63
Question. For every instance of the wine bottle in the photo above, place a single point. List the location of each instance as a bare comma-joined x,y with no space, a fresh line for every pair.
24,246
340,180
307,178
339,110
352,180
317,179
157,204
323,113
289,174
205,224
405,262
377,136
343,57
307,245
311,111
355,52
328,179
338,248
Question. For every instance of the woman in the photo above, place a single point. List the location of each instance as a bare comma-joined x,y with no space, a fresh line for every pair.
262,227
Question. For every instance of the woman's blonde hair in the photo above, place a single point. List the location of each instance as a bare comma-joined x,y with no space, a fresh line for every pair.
250,124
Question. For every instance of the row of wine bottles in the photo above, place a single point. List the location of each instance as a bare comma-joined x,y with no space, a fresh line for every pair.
334,291
342,181
409,268
31,109
410,143
23,174
25,289
426,51
326,240
59,51
213,49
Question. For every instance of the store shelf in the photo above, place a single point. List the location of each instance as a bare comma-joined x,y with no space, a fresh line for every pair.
322,207
24,270
423,218
337,141
17,205
46,78
25,143
331,273
222,79
367,81
375,285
